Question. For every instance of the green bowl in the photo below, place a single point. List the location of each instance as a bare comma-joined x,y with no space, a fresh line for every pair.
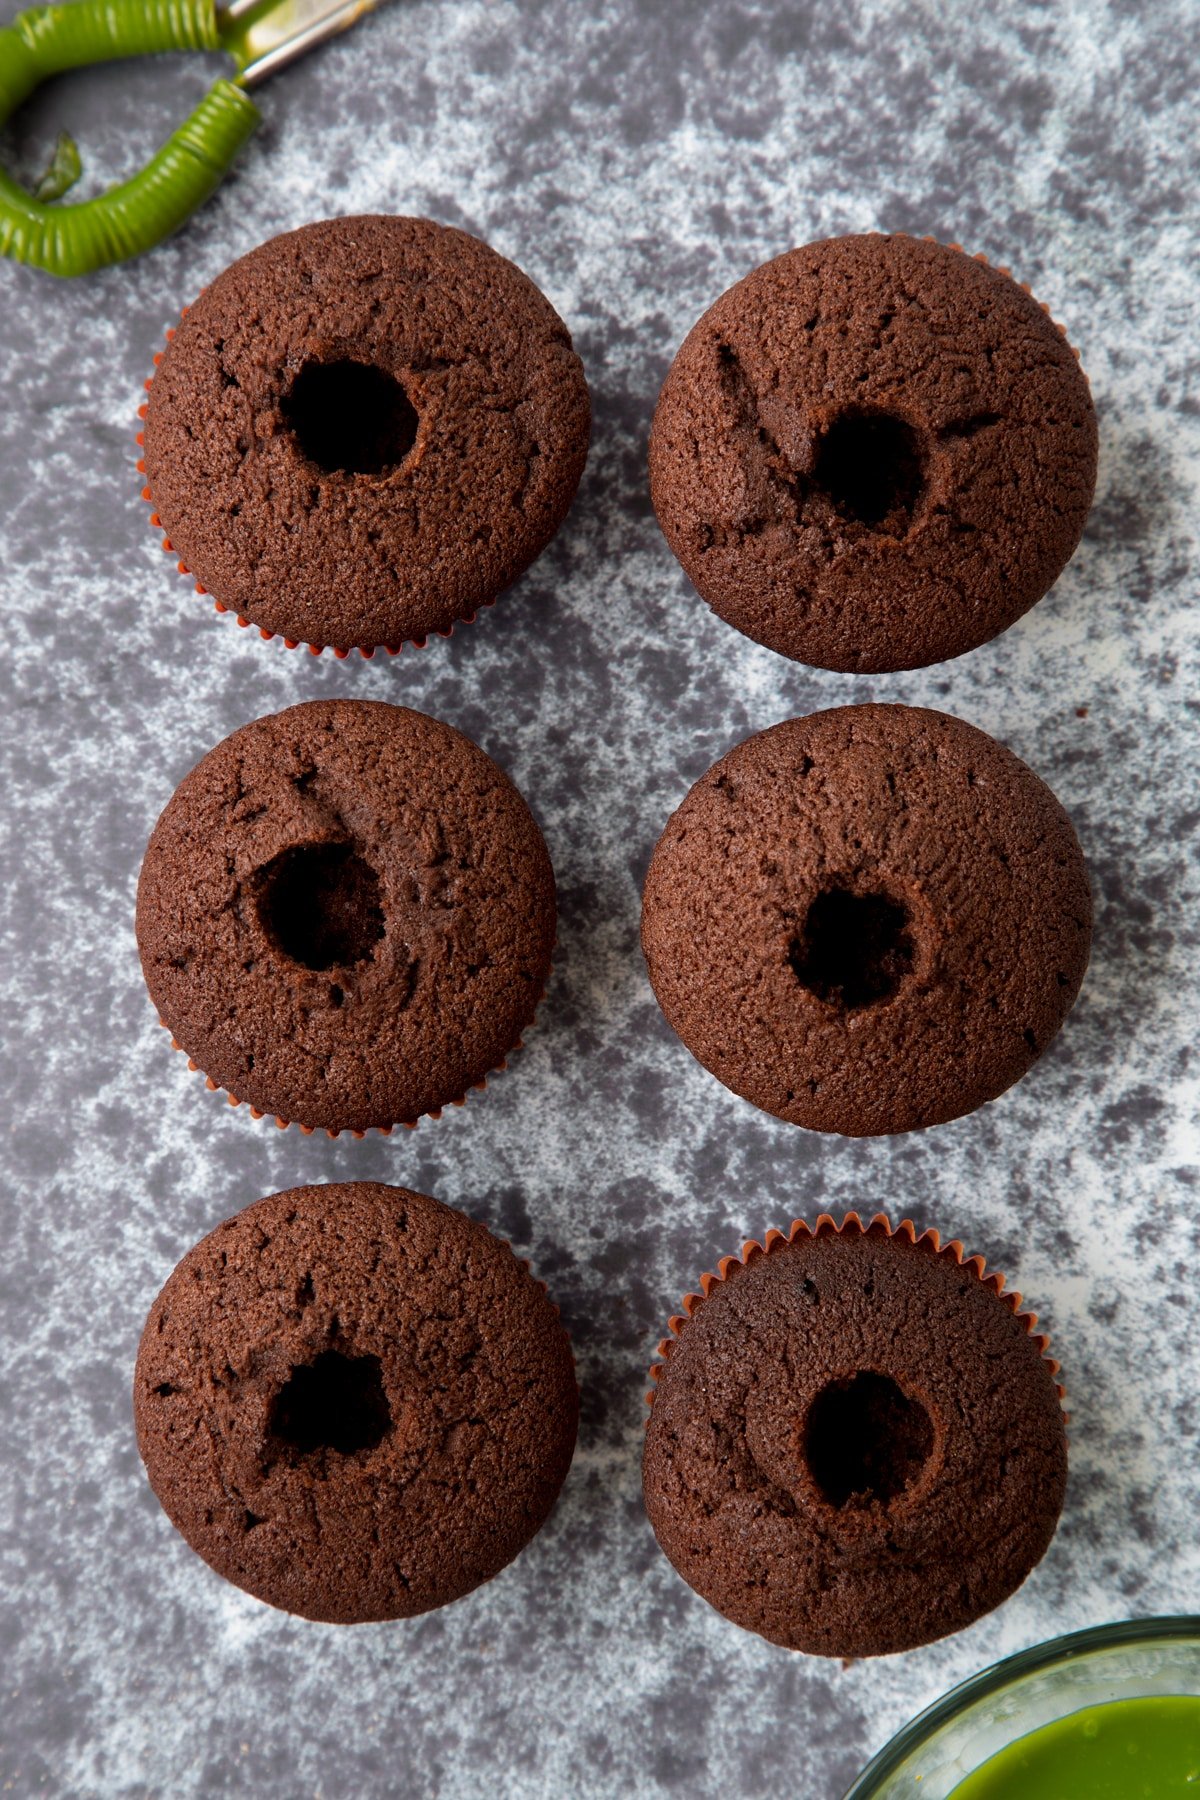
1131,1660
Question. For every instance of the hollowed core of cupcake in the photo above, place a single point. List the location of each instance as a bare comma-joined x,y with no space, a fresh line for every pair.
871,466
865,1440
854,949
335,1403
350,416
321,905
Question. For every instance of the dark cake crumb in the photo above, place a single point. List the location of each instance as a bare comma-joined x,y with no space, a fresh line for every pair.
868,920
855,1445
354,1402
345,915
873,453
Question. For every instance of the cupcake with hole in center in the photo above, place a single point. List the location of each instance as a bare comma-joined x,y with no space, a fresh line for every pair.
869,920
355,1402
856,1443
363,431
874,452
345,915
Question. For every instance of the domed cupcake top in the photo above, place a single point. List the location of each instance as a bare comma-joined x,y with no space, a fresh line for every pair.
355,1402
345,914
867,920
873,453
364,430
856,1443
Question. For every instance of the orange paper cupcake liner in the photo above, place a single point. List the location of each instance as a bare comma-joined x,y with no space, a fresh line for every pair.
435,1112
879,1225
364,650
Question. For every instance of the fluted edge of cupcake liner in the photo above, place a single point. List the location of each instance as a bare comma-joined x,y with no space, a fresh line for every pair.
330,1131
979,257
826,1225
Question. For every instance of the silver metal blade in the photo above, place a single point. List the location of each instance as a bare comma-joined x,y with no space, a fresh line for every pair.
269,40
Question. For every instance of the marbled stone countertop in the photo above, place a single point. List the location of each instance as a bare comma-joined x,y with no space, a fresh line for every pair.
636,159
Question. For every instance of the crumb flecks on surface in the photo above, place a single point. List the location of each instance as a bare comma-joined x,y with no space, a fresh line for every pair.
635,161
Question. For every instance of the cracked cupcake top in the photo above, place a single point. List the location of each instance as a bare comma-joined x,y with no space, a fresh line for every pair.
345,914
355,1402
364,430
873,453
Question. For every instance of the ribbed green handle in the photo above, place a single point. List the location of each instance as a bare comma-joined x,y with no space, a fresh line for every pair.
75,239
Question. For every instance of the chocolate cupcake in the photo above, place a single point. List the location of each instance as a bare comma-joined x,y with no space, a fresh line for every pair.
856,1443
355,1402
867,920
363,431
873,453
345,915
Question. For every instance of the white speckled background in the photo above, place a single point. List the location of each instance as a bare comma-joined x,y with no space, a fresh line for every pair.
635,159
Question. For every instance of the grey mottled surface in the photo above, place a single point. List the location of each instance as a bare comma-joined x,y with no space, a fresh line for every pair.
635,159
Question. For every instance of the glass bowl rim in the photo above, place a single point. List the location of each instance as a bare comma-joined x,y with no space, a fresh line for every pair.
1024,1662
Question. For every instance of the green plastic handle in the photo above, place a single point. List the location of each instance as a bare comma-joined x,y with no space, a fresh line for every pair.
74,239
